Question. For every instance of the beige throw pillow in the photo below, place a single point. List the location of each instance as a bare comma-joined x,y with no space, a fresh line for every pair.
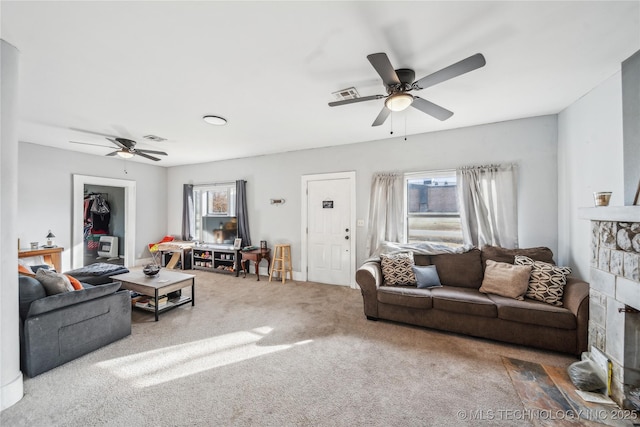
54,283
507,280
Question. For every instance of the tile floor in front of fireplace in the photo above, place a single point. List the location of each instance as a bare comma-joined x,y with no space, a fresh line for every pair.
550,399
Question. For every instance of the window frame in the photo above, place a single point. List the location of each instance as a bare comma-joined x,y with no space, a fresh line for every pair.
441,173
202,208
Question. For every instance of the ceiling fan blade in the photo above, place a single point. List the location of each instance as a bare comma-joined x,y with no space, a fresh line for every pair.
91,132
137,152
162,153
88,143
471,63
351,101
431,109
115,153
118,143
382,116
381,63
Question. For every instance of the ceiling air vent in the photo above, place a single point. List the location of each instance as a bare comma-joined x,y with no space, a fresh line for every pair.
154,138
348,93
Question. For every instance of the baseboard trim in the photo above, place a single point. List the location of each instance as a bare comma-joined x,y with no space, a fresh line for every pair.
12,392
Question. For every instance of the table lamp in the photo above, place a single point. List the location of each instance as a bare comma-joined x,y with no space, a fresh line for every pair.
50,238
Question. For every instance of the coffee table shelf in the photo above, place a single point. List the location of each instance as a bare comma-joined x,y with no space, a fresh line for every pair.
165,282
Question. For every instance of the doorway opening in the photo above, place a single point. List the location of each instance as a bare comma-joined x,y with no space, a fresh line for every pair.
103,224
123,193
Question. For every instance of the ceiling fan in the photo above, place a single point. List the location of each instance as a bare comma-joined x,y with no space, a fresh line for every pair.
127,149
400,82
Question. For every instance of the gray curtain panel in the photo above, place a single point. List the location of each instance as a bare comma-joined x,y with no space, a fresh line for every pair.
242,213
188,213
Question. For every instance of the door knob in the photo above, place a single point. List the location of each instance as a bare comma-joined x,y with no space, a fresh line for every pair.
347,230
346,237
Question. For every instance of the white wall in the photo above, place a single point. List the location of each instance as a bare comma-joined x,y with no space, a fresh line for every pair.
11,385
590,158
45,191
531,143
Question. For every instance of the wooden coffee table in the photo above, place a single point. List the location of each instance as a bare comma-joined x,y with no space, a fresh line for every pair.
164,282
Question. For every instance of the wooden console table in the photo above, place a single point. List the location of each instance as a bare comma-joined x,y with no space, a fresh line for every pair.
255,256
51,256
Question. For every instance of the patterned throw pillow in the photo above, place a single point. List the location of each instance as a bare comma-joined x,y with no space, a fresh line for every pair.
547,281
396,268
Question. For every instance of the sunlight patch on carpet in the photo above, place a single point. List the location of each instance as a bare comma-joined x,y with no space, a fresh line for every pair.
165,364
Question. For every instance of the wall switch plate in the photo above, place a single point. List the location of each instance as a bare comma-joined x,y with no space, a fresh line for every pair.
360,223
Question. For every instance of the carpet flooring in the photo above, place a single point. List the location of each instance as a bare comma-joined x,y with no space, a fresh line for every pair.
272,354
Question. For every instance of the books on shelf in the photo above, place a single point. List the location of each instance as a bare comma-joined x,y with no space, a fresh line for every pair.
148,303
161,301
142,302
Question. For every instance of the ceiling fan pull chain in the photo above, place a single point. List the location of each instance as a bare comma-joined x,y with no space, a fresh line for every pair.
405,128
391,122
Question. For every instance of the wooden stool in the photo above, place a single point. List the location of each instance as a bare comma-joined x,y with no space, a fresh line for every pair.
281,262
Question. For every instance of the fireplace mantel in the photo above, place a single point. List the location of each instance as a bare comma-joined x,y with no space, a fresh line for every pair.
611,213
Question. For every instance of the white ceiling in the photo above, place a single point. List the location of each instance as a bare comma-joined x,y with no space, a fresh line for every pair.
131,69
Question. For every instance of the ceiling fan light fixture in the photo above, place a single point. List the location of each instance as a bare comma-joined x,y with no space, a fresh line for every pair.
399,101
125,154
215,120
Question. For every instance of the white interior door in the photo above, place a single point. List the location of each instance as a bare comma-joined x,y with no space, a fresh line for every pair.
329,235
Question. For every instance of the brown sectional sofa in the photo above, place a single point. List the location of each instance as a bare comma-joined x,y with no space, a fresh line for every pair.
458,306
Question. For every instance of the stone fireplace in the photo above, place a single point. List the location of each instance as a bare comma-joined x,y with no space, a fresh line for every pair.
614,298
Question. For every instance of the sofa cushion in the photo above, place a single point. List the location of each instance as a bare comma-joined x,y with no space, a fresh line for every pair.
547,281
426,276
406,296
498,254
54,283
421,259
29,291
463,300
396,268
57,301
464,270
534,313
97,273
508,280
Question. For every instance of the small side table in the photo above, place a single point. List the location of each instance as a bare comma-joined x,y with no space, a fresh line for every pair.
256,256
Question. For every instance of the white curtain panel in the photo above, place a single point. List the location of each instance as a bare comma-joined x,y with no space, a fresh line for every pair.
385,210
488,205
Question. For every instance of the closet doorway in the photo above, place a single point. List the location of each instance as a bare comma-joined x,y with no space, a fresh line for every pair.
108,188
103,224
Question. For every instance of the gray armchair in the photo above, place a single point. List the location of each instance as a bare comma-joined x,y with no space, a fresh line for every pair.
58,328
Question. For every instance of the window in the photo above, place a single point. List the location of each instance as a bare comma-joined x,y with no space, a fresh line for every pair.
215,211
432,212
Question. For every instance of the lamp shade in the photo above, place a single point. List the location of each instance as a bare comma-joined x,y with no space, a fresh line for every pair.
399,101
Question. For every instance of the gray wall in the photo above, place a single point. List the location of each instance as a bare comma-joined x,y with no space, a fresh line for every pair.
531,143
45,193
631,123
115,198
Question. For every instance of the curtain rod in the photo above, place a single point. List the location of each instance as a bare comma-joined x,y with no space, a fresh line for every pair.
213,184
430,171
